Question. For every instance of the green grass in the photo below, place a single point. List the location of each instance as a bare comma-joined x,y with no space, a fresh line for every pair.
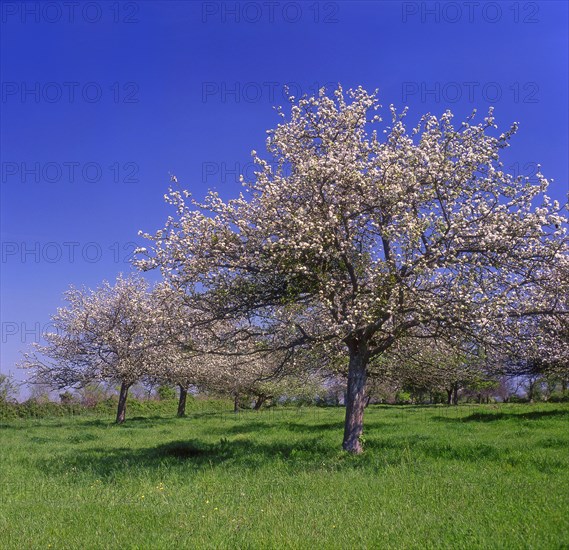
430,477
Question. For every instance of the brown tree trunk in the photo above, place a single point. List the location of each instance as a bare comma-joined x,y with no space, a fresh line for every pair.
531,389
259,402
236,403
121,410
355,399
449,397
455,395
182,401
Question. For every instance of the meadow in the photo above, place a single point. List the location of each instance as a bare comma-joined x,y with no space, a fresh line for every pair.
492,476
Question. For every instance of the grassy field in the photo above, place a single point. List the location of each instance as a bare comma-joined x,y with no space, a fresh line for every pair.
431,477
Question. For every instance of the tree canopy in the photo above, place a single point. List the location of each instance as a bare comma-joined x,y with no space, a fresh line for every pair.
358,240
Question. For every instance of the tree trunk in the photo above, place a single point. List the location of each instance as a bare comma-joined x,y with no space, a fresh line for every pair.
259,402
355,399
531,388
449,397
121,410
236,403
455,395
182,401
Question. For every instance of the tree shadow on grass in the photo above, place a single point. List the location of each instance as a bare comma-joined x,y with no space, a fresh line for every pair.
295,427
187,456
52,422
494,416
246,454
241,428
97,423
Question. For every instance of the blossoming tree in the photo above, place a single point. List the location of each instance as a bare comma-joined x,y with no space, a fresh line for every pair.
112,334
431,365
358,241
209,361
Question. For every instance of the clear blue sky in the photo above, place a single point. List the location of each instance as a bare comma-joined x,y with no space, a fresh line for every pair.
100,103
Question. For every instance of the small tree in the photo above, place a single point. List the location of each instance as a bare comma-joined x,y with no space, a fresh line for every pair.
8,388
108,334
184,368
93,393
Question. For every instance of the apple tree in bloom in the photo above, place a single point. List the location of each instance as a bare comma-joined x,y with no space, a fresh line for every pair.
221,356
263,377
358,239
540,350
550,344
205,372
432,365
200,353
212,365
109,334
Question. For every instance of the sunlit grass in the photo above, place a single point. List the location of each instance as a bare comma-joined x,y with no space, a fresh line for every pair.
431,477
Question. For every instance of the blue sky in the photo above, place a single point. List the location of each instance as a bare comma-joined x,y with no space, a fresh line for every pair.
102,99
